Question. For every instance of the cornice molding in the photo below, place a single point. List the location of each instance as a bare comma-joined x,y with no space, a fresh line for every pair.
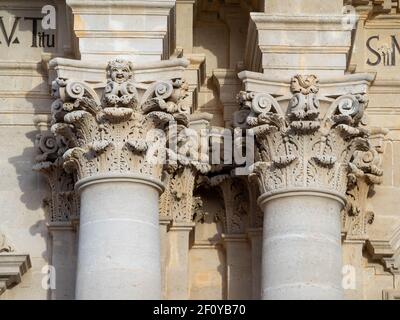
121,7
12,268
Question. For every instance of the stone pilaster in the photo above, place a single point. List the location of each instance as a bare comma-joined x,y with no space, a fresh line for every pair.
308,135
178,204
234,220
116,146
62,210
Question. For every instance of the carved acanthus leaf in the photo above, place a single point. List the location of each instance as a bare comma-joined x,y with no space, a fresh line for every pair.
117,132
365,171
302,147
62,204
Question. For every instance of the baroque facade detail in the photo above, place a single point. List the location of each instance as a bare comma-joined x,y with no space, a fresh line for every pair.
186,162
236,200
63,203
119,132
170,161
304,147
365,172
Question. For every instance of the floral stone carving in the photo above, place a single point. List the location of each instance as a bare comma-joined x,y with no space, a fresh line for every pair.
186,161
123,130
235,196
63,203
365,172
305,147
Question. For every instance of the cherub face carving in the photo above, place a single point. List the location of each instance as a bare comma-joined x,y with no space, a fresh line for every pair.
119,70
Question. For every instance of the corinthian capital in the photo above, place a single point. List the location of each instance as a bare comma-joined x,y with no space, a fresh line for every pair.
120,128
187,160
364,173
63,204
307,140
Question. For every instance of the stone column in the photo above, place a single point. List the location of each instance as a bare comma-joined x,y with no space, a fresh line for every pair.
255,233
117,149
359,214
303,159
301,246
119,238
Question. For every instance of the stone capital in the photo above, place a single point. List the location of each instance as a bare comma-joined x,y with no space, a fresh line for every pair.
178,202
308,135
121,127
62,204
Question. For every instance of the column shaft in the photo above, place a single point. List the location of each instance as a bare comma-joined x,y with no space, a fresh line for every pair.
119,245
301,246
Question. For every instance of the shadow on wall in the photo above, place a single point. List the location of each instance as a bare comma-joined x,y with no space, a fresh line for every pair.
32,185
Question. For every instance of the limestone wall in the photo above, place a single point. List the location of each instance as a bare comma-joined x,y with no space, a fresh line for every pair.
219,39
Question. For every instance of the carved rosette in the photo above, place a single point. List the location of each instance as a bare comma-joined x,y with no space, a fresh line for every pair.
305,147
63,204
121,131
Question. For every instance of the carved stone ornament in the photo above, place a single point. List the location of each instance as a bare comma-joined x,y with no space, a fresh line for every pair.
121,131
63,204
12,265
235,196
365,172
305,147
185,164
5,245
